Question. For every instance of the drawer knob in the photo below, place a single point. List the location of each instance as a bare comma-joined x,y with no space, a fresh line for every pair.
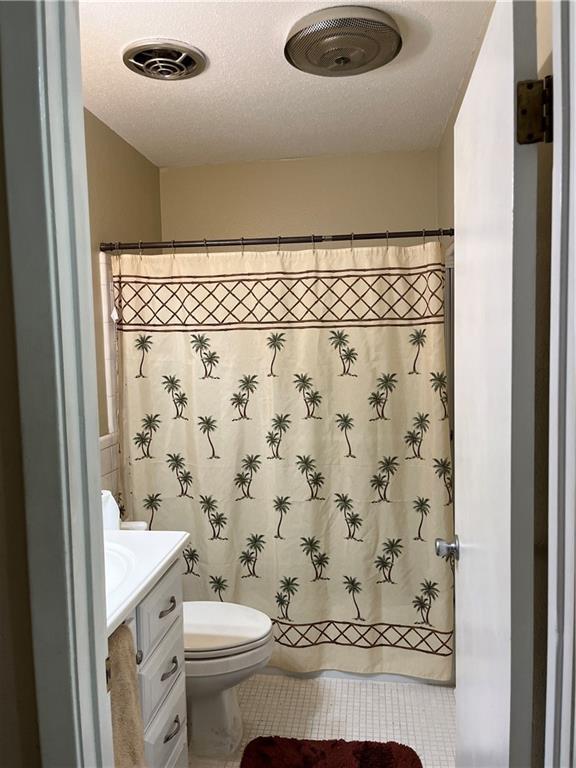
172,671
175,730
166,611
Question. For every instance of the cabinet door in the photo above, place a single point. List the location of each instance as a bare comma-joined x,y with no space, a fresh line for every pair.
160,671
158,611
163,738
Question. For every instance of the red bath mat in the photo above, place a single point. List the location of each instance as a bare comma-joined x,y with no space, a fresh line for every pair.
275,752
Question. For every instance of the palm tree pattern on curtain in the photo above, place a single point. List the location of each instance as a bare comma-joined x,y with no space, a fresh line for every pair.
291,413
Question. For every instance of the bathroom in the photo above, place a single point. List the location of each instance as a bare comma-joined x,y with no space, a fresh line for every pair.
274,259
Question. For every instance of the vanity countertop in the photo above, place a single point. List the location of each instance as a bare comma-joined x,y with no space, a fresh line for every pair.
133,562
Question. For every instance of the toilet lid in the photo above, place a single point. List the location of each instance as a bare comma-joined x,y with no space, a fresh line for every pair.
213,626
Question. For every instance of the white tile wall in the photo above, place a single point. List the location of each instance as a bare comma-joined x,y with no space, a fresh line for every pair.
109,462
109,448
421,716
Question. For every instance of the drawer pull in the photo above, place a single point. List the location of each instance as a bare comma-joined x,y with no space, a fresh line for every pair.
166,611
175,731
171,671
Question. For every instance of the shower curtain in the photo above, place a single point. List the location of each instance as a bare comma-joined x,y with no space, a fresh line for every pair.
289,410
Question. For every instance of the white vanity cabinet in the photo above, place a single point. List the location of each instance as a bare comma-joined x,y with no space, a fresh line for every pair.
161,672
156,624
148,599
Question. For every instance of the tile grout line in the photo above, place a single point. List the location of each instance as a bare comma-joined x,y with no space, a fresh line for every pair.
421,716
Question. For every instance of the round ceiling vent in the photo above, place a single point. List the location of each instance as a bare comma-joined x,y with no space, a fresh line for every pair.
164,59
346,40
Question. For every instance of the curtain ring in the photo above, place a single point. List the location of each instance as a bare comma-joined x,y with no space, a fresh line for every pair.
423,237
117,248
242,240
206,248
173,250
352,242
313,243
387,240
278,248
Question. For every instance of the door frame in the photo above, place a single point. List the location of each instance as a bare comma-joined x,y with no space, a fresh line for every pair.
561,690
47,194
47,184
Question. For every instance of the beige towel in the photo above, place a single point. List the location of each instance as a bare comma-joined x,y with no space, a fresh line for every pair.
127,727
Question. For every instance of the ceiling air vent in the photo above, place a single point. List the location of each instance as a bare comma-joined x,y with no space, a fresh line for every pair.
345,40
164,59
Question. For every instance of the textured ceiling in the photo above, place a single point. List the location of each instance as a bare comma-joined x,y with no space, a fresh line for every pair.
250,104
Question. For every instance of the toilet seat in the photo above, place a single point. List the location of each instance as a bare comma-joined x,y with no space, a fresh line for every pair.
221,653
225,645
215,630
212,667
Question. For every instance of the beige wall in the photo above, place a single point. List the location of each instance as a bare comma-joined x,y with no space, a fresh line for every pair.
446,172
19,747
124,200
446,147
321,195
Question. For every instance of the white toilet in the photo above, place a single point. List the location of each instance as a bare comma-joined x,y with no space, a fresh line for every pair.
224,643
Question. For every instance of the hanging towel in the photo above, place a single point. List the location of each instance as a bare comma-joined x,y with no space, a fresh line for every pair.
127,727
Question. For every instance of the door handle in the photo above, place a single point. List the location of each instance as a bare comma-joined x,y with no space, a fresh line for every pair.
448,548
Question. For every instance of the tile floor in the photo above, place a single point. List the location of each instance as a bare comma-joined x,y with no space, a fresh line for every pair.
422,716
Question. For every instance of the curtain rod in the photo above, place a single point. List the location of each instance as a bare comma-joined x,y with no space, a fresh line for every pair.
288,240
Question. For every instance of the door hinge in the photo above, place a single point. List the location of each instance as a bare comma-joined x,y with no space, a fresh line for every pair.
108,674
534,111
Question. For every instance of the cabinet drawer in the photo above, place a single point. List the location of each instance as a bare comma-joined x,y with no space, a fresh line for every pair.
158,611
180,757
163,737
160,671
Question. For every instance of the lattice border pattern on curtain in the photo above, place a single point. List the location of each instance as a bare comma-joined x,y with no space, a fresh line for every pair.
403,637
323,298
